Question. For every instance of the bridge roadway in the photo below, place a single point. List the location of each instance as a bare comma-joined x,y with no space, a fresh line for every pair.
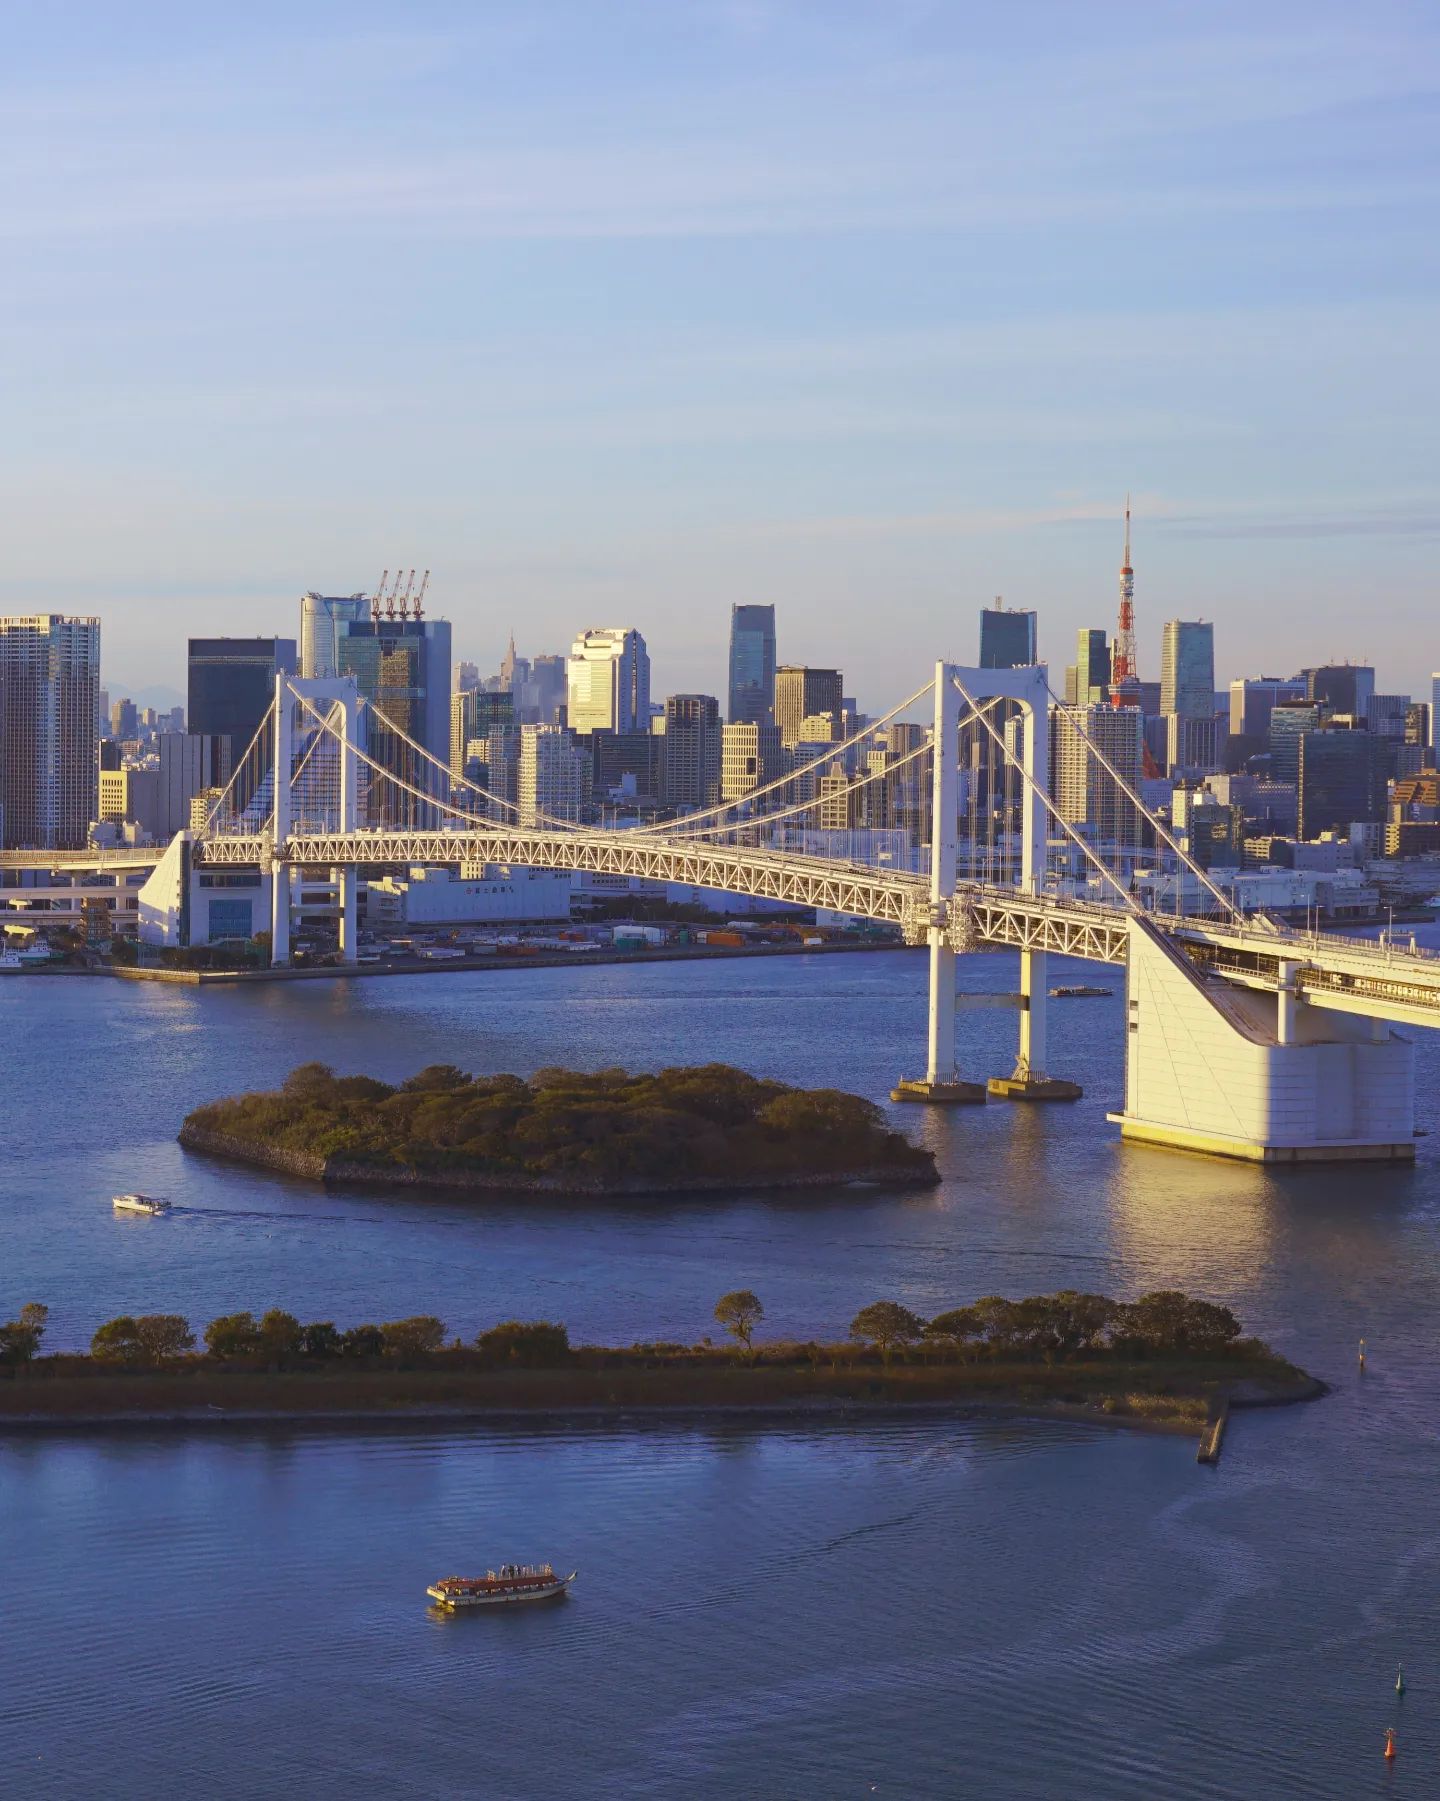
1343,974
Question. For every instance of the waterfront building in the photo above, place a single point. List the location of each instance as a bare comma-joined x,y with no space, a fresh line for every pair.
752,665
321,616
802,694
478,894
1007,637
1342,780
49,747
751,756
690,751
231,683
554,774
608,681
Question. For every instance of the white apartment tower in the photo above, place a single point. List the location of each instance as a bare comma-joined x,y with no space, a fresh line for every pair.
554,776
608,682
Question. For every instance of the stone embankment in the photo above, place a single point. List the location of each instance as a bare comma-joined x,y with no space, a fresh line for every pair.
338,1172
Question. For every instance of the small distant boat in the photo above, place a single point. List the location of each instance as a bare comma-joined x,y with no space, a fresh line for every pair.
498,1588
139,1203
1074,991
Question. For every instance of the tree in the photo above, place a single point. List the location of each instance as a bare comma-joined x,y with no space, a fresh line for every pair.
531,1343
162,1335
960,1328
740,1312
363,1341
416,1337
436,1078
279,1334
1166,1320
232,1335
886,1324
320,1339
117,1341
20,1338
309,1082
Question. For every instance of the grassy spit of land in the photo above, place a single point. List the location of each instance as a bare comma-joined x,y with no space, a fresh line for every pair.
607,1132
1162,1362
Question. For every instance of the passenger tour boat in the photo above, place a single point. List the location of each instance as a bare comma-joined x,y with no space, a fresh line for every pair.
497,1588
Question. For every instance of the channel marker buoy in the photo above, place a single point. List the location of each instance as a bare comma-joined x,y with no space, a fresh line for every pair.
1389,1741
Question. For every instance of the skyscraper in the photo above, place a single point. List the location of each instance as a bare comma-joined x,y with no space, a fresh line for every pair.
751,756
1187,694
1254,698
474,713
802,694
690,751
320,619
231,685
1342,778
752,665
1092,666
1435,714
555,775
402,667
49,747
1007,639
608,681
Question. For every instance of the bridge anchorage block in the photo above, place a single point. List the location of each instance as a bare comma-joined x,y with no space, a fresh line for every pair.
1034,1088
940,1094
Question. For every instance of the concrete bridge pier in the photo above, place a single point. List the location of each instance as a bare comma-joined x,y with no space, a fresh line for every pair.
1028,1080
345,887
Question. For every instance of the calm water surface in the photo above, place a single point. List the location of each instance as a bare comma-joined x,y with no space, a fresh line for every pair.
932,1610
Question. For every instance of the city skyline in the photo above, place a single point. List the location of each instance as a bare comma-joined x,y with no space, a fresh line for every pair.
857,313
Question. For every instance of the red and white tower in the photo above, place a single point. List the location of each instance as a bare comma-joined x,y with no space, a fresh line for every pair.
1124,670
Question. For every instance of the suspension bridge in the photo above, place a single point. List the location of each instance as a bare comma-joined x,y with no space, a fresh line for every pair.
1243,1037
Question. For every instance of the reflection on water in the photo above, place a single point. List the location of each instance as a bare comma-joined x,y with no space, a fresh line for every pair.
996,1611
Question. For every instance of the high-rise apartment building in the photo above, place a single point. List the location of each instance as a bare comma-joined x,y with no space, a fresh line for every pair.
751,756
1085,792
608,682
802,694
554,777
690,751
321,616
752,665
1007,638
232,683
49,747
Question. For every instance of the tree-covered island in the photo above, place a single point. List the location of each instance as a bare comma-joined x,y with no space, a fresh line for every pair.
1165,1360
609,1131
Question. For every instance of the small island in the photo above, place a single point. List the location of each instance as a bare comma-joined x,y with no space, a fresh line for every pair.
561,1131
1163,1362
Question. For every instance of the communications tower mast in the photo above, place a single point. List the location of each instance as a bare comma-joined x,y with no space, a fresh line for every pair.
1124,672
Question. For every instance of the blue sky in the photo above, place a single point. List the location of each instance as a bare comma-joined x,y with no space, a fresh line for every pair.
618,312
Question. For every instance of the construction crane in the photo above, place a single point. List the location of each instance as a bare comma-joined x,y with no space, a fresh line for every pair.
378,596
420,597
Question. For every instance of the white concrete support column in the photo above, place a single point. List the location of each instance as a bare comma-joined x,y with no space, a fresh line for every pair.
945,801
1030,1064
1289,1004
280,826
345,887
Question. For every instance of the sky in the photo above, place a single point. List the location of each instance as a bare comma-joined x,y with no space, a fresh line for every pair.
617,313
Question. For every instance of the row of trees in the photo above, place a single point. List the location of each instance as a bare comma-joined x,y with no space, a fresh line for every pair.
1051,1327
278,1337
